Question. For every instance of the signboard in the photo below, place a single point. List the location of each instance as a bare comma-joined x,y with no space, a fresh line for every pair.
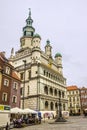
4,107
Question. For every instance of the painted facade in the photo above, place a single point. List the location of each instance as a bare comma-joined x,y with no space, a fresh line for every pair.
83,94
41,75
74,101
7,79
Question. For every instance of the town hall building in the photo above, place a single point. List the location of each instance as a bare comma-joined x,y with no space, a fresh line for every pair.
41,74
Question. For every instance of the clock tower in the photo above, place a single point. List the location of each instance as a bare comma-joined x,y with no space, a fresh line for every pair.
28,33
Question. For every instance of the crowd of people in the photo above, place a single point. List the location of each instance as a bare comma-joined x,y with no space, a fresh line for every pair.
23,120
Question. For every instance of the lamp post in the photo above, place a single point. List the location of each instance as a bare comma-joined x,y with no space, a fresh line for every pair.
38,85
59,117
24,83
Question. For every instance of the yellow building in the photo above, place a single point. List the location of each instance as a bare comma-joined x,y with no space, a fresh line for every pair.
73,94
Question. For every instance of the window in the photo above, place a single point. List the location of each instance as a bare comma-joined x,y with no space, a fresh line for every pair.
7,70
73,99
56,105
14,99
15,85
51,91
46,90
27,89
4,97
63,95
46,104
70,104
44,72
21,76
76,92
21,91
6,82
55,92
24,33
73,92
51,105
29,73
69,99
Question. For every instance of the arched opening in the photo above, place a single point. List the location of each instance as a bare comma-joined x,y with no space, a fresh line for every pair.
51,105
46,90
59,93
62,94
46,105
55,92
64,107
56,106
51,91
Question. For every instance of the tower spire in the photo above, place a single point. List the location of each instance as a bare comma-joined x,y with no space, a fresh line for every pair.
29,12
28,30
29,20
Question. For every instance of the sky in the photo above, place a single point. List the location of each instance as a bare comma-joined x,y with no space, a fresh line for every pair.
63,22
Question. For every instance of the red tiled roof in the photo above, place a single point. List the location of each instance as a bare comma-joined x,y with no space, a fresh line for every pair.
73,87
83,88
14,75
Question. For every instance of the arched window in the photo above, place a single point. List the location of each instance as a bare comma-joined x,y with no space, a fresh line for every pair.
59,94
46,90
55,92
62,94
25,33
44,72
51,105
51,91
56,105
64,107
46,105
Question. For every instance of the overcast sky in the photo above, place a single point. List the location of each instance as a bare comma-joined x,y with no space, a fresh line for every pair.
63,22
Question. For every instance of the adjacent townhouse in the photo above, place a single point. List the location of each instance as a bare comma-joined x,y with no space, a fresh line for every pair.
74,101
9,83
83,96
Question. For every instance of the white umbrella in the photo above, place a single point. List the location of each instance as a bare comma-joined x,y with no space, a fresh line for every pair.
16,110
27,110
86,109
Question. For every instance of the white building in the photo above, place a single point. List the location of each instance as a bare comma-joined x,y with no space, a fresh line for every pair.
40,73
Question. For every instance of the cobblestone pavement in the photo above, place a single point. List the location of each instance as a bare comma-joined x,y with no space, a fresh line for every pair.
73,123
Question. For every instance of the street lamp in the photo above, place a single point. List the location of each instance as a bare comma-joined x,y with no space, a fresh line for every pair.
24,83
59,117
38,85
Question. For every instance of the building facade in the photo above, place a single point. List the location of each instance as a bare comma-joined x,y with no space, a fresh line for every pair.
41,74
83,94
74,101
8,81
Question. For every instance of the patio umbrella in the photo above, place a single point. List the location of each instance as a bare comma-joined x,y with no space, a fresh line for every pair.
16,110
27,110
